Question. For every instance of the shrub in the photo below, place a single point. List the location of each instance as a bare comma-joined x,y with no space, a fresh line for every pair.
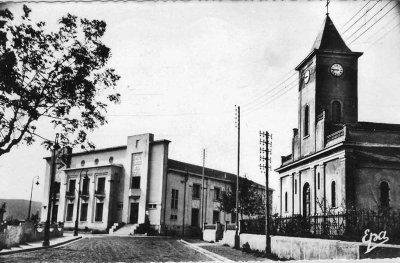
246,248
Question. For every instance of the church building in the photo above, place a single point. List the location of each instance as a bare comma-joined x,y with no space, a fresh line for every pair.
337,162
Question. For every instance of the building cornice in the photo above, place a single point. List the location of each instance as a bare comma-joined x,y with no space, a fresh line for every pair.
92,167
310,157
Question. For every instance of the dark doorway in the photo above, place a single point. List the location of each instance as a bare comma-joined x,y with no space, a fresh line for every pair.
195,217
306,200
133,218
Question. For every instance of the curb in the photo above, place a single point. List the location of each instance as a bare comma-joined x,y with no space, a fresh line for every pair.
205,252
38,248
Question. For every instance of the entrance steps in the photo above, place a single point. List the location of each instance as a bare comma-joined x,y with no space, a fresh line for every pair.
115,227
126,230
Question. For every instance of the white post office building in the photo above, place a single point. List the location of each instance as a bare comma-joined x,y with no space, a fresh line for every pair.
124,184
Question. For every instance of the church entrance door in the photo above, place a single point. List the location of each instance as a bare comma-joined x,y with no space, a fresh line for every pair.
306,200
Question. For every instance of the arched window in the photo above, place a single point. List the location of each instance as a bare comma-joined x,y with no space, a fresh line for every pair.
384,187
306,120
333,194
286,208
336,111
306,200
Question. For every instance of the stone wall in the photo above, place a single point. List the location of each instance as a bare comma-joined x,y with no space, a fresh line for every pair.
210,235
256,242
313,248
229,238
25,232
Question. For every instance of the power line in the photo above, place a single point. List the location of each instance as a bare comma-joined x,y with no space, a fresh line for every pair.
380,10
393,17
384,35
262,103
356,14
260,100
361,17
374,23
273,98
280,93
270,90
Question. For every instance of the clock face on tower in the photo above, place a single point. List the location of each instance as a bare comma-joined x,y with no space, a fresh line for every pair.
336,70
306,76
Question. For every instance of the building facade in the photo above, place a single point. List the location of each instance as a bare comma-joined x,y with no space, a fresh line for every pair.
337,162
128,183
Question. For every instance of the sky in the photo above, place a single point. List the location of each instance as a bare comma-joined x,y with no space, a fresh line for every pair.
185,65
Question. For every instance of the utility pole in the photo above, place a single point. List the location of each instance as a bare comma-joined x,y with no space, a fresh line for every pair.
46,241
265,166
30,200
202,189
237,121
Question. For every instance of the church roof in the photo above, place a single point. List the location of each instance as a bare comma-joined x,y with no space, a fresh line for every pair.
329,38
328,41
196,169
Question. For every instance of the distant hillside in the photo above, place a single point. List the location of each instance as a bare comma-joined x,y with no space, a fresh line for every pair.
18,208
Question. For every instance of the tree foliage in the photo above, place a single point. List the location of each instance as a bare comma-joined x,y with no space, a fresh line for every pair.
251,200
60,76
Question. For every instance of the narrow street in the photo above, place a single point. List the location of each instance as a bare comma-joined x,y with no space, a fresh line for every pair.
113,249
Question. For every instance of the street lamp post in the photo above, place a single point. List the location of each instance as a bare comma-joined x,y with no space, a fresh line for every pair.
46,241
30,199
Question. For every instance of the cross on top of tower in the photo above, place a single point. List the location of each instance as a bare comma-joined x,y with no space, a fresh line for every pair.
327,6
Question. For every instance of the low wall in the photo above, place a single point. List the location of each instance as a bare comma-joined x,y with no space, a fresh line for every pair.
300,248
256,242
25,232
313,248
229,238
210,235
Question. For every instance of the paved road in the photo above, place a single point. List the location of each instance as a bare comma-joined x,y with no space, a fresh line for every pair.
112,249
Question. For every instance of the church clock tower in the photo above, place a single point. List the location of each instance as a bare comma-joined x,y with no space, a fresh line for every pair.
327,86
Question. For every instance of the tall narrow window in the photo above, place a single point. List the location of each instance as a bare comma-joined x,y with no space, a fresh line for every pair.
306,200
319,181
306,120
336,111
295,186
196,191
174,199
71,187
99,212
286,208
217,192
85,186
84,209
333,194
70,212
101,185
384,187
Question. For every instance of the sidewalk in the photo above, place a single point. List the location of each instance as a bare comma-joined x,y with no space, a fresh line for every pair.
36,245
218,252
